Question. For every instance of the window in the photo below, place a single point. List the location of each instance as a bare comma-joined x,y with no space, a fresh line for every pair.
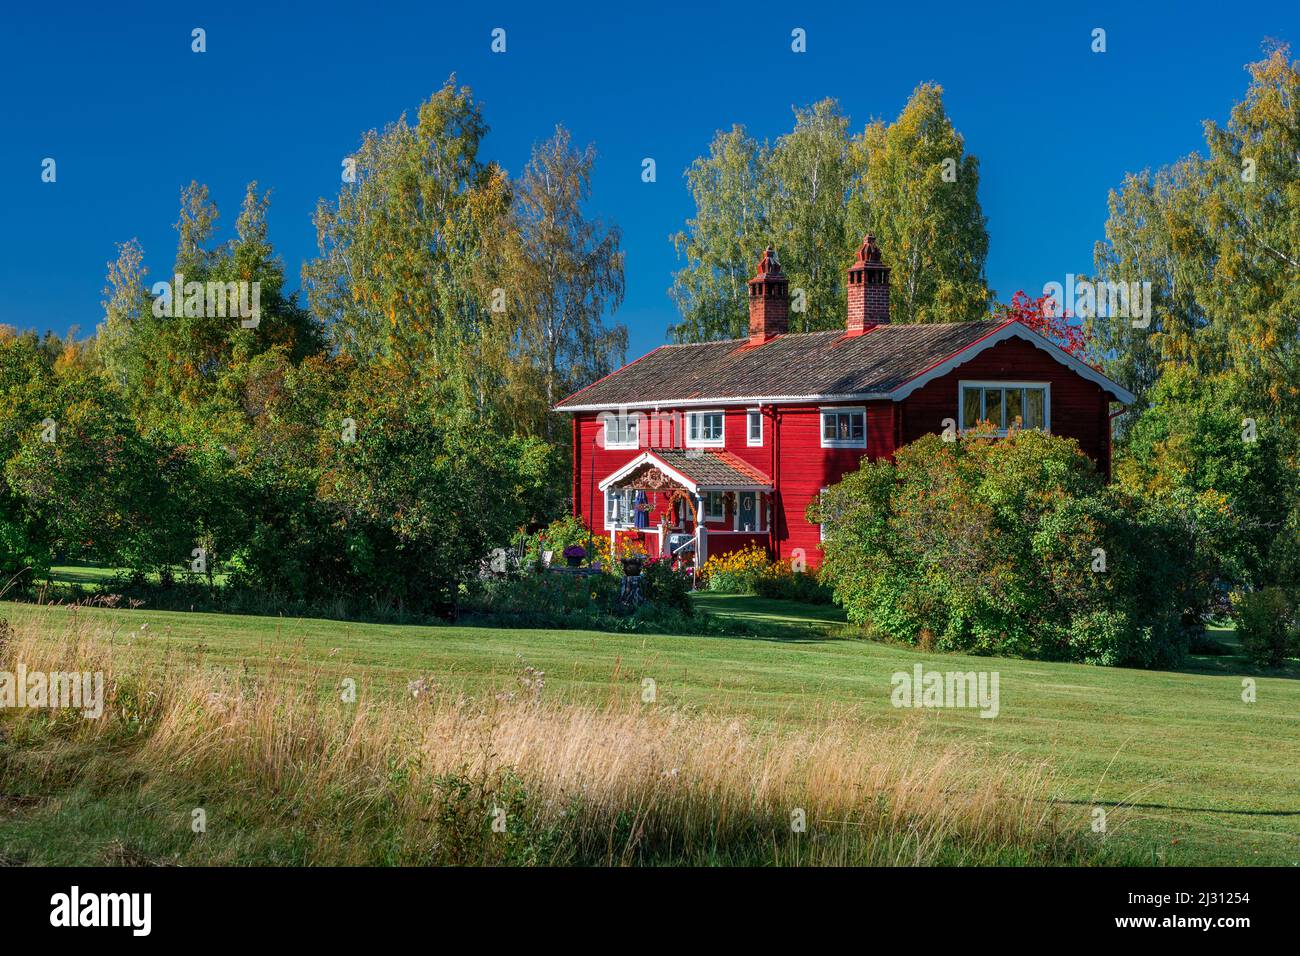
619,512
621,431
821,528
1005,403
749,511
704,429
715,506
844,428
754,426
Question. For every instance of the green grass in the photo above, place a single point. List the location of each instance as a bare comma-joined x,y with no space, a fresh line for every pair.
94,574
1208,778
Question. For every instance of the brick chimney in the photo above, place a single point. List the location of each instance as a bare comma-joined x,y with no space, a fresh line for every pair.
769,300
868,289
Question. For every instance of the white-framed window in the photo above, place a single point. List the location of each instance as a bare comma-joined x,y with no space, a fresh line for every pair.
754,427
1005,403
705,429
621,431
715,506
844,427
749,511
619,509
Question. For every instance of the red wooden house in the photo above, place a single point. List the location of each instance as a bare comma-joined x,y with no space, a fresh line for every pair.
703,448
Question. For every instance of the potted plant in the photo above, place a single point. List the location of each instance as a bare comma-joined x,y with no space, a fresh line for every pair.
574,554
634,557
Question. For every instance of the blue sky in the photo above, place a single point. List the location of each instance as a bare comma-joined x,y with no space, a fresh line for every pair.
114,94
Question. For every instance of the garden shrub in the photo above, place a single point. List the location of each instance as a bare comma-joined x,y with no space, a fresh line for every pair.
591,601
560,534
667,588
736,572
1011,546
1267,625
780,580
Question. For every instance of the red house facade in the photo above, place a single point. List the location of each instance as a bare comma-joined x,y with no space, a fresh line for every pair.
700,449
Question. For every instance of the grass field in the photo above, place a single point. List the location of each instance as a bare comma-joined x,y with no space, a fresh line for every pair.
1198,775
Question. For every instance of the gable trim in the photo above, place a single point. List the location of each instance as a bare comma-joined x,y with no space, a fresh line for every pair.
1014,329
650,458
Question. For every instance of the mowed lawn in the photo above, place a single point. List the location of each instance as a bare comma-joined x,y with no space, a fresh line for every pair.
1203,777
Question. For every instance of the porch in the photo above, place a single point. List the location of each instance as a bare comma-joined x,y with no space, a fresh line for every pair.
685,504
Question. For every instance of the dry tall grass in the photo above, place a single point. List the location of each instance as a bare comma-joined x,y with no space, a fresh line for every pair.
439,777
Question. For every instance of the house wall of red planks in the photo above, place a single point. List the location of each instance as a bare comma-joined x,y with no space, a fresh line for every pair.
1079,409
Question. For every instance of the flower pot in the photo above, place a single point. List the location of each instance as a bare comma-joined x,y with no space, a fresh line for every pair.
574,562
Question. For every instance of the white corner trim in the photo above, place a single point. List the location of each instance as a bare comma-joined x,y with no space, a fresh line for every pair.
1017,330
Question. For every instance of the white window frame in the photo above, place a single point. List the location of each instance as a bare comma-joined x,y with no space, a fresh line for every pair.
986,384
750,415
631,425
693,416
709,513
630,523
760,525
841,410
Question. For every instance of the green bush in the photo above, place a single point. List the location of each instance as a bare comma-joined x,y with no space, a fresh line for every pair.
1267,625
591,601
779,581
1012,546
736,572
560,534
666,587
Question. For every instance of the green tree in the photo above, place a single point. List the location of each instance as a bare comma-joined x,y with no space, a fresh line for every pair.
721,242
407,249
1218,238
1225,470
991,546
814,193
920,197
812,172
564,271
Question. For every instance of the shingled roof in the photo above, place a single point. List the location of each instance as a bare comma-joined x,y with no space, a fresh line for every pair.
812,365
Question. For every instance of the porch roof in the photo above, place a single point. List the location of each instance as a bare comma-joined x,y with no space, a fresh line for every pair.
695,469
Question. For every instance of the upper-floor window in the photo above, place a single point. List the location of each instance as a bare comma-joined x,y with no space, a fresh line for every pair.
621,431
704,429
1004,404
754,427
844,428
